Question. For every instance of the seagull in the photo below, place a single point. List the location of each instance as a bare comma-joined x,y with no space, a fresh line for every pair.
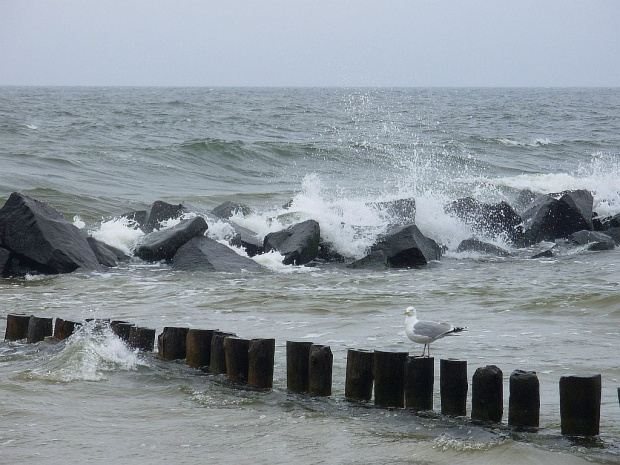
425,332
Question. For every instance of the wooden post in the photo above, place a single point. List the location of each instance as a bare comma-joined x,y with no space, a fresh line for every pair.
320,370
142,338
64,328
198,347
237,360
261,355
524,400
16,327
122,329
297,365
389,370
419,382
359,377
487,394
39,328
217,365
580,404
171,343
453,386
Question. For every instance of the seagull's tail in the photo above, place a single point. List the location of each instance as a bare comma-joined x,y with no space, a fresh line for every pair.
454,331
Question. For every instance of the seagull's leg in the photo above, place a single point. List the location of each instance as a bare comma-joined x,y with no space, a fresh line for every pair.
429,350
423,350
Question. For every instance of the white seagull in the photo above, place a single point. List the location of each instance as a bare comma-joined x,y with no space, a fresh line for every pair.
425,332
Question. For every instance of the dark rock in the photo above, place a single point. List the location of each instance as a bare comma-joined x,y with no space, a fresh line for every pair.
138,217
205,254
402,210
406,247
376,259
163,244
611,222
247,239
298,243
104,256
328,254
574,213
475,245
5,260
539,220
493,220
42,238
228,209
160,211
598,240
614,233
524,200
545,253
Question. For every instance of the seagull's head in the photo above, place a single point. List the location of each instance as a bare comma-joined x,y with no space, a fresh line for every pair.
410,311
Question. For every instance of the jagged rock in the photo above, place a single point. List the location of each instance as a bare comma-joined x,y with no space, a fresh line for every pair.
406,247
5,260
574,213
138,217
204,254
539,220
614,233
524,200
544,254
163,244
475,245
328,254
401,210
160,211
493,220
598,240
376,259
247,239
106,254
228,209
41,239
610,222
298,243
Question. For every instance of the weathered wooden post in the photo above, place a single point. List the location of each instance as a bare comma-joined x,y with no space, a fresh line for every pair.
297,365
217,365
142,338
419,382
453,386
261,355
39,328
320,370
16,326
487,394
389,370
171,343
121,329
64,328
524,399
359,377
580,404
237,358
198,347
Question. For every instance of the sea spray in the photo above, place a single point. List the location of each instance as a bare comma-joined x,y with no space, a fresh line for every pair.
121,233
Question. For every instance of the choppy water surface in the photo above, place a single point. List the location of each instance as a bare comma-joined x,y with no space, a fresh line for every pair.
96,153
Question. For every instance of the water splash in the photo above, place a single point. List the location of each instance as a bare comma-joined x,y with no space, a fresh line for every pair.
121,233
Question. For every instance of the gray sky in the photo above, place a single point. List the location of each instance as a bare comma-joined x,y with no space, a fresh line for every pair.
310,43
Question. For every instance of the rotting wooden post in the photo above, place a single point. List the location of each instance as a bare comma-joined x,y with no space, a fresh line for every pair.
389,370
419,383
16,326
217,364
359,377
453,386
39,328
487,394
297,365
580,404
198,347
320,369
237,358
261,354
142,338
524,399
64,328
122,329
171,343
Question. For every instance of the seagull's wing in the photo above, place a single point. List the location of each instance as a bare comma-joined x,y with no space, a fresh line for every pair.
431,329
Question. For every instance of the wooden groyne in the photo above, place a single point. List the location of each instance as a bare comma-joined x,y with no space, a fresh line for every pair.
398,380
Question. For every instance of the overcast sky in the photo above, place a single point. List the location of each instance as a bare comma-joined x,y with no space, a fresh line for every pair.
310,43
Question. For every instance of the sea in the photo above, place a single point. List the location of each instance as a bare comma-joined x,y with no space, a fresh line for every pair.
329,154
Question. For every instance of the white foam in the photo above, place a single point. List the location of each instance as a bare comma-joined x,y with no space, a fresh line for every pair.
120,233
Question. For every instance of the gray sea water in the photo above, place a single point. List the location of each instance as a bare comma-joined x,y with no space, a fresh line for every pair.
95,153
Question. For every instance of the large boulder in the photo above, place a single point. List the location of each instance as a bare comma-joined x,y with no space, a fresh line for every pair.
492,220
5,260
596,240
160,211
406,247
204,254
228,209
106,254
163,244
376,259
539,220
41,239
298,243
574,213
476,245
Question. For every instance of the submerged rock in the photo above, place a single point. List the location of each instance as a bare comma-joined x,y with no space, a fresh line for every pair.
41,239
298,243
163,244
204,254
476,245
597,240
